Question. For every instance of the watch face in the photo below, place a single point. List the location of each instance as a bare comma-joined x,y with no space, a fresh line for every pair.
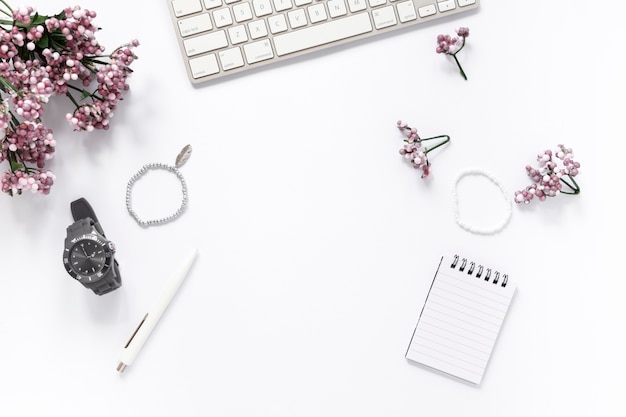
88,258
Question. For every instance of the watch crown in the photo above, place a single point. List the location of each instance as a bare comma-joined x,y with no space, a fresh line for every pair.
112,246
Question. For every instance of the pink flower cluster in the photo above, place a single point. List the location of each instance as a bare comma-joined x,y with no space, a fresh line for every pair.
412,149
548,179
42,56
449,45
18,181
112,82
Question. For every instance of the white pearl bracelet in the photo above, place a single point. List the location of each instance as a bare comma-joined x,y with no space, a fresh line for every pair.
475,229
180,160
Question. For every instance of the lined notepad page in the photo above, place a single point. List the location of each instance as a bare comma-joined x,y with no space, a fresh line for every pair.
460,321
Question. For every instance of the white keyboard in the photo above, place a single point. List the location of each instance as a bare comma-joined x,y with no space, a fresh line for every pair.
222,37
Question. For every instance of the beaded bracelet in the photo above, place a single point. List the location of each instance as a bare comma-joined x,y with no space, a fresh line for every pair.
182,157
474,229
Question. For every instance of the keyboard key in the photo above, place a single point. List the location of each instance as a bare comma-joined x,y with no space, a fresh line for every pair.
257,29
447,5
194,25
222,17
427,10
317,13
384,17
297,18
374,3
237,34
262,7
212,4
205,43
321,34
303,2
357,5
337,8
406,11
282,5
186,7
231,58
204,66
242,12
464,3
258,51
277,23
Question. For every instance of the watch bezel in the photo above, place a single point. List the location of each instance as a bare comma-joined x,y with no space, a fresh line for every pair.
109,252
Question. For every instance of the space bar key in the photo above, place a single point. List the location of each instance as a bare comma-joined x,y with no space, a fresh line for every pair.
323,33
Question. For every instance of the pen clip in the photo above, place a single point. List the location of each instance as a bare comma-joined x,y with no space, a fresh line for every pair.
136,330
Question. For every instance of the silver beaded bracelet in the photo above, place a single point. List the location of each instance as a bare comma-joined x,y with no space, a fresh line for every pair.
182,157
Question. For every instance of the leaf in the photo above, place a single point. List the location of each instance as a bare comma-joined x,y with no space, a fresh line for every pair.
16,166
57,41
44,42
5,85
38,20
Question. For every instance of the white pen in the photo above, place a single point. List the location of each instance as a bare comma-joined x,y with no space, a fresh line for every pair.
141,334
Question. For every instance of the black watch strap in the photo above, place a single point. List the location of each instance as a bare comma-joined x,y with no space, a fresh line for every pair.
111,281
81,209
82,226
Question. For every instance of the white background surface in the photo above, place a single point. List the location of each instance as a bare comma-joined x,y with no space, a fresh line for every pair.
317,242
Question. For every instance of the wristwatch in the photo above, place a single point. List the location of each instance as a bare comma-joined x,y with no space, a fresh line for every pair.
89,257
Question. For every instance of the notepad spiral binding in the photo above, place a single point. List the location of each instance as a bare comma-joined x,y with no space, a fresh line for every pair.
479,271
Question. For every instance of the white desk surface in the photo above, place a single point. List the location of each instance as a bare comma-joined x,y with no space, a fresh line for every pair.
317,242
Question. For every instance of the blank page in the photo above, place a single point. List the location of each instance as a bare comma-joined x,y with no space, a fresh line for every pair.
461,319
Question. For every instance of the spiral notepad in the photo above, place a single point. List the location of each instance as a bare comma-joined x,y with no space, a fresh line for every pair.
461,318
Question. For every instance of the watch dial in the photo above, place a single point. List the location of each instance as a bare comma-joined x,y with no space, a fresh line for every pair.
87,257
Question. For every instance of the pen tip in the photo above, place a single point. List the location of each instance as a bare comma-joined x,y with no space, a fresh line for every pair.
120,367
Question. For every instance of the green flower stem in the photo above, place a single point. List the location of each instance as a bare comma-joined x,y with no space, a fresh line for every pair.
84,94
457,61
15,164
5,86
575,188
459,65
462,45
14,120
72,99
426,150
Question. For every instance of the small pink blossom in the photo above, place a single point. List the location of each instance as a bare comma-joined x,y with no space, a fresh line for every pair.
35,181
449,45
548,179
412,150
